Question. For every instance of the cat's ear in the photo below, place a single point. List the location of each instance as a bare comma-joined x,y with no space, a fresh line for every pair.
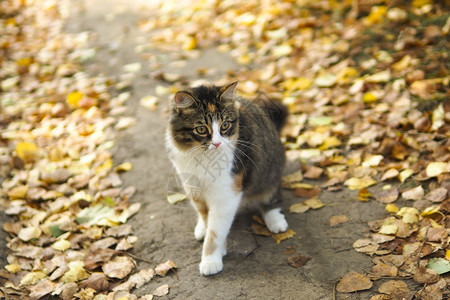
227,91
183,100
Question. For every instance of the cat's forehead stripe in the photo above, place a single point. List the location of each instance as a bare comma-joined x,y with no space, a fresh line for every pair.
211,107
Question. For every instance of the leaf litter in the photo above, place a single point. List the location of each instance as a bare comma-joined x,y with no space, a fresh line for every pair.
366,108
68,208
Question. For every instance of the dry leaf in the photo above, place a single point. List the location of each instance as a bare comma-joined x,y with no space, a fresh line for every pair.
355,183
307,192
336,220
283,236
397,289
299,208
314,203
298,260
387,196
163,268
161,291
364,195
416,193
436,168
175,198
118,267
353,282
437,195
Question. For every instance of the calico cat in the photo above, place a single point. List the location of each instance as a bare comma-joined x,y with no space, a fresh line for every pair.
226,150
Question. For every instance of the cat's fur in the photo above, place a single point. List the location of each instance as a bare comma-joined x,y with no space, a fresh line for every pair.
226,150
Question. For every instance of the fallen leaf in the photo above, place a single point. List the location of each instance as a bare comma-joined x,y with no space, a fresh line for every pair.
383,270
307,192
405,174
118,267
32,278
364,195
42,288
299,208
96,281
424,275
436,168
124,167
61,245
298,260
353,282
76,272
161,291
355,183
98,257
387,196
336,220
314,203
163,268
313,172
175,198
28,233
439,265
283,236
365,246
396,289
392,208
437,195
416,193
389,174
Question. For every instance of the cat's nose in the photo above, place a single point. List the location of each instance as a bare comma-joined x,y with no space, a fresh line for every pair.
216,144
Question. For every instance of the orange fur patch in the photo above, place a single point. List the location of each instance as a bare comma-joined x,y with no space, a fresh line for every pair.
210,244
201,208
211,107
238,180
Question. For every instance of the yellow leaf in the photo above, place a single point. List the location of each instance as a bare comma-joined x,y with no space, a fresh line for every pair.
436,168
364,195
104,167
376,15
432,213
25,61
314,203
369,97
283,236
13,268
355,183
410,215
392,208
32,278
74,97
298,208
388,229
420,3
26,151
330,142
61,245
18,192
76,272
190,43
372,161
405,174
125,167
447,255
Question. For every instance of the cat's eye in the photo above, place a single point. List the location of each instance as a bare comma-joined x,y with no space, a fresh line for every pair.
225,125
201,130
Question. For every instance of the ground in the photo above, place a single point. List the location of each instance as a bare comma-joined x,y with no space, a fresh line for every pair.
255,267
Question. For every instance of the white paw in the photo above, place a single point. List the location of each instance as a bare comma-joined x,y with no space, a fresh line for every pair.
275,221
210,267
200,230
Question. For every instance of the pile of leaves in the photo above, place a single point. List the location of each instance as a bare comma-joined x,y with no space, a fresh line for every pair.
67,236
367,86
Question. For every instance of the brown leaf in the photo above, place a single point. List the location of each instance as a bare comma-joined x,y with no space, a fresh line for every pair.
382,269
307,193
298,260
42,288
437,195
97,281
121,230
364,195
260,229
98,257
387,196
299,208
57,176
424,275
437,234
313,172
336,220
397,289
118,267
353,282
163,268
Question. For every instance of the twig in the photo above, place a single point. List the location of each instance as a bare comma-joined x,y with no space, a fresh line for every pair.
421,246
333,296
254,249
138,258
421,290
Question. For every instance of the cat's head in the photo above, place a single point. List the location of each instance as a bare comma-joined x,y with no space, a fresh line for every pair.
205,117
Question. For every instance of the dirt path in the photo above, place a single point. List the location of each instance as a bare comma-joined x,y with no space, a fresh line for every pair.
255,267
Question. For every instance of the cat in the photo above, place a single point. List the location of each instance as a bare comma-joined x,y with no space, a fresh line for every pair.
226,150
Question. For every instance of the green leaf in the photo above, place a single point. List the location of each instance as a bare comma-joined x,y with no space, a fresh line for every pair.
440,265
55,230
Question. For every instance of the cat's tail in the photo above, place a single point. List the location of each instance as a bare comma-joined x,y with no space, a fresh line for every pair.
274,110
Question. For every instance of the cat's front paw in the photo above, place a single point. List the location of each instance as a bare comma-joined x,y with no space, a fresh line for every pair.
200,231
210,267
275,221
